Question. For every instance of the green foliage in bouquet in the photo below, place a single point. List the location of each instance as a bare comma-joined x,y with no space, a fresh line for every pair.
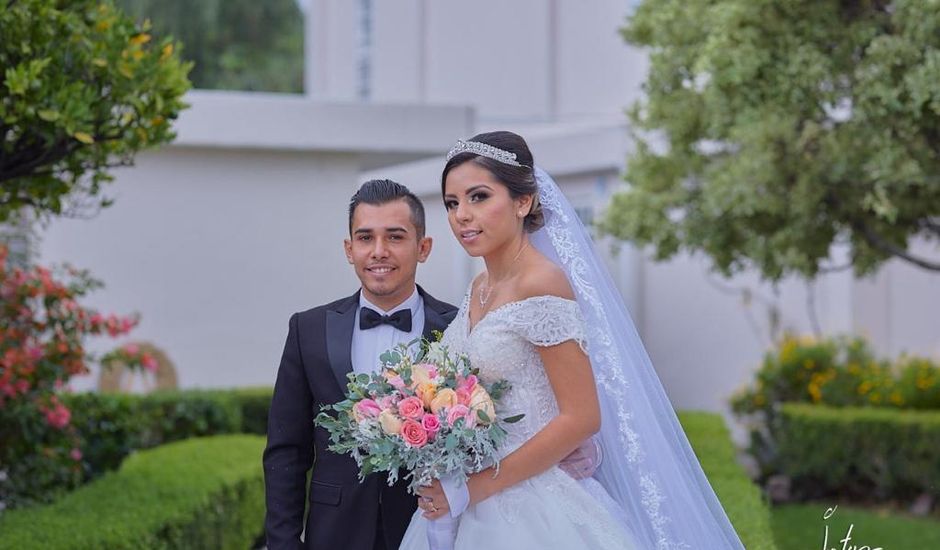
428,415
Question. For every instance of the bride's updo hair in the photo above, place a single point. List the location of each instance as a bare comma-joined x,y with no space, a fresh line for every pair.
519,180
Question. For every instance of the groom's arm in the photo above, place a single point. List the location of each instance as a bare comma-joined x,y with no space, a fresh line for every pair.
289,453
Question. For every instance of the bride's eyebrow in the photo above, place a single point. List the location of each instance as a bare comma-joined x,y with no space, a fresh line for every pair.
480,187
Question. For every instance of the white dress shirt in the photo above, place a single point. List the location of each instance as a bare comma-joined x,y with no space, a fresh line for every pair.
367,345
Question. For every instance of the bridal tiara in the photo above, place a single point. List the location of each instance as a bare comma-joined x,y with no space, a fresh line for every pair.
484,150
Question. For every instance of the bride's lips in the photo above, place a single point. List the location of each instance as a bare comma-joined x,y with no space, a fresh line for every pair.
469,236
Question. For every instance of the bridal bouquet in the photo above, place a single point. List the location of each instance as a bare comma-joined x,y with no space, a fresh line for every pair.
428,415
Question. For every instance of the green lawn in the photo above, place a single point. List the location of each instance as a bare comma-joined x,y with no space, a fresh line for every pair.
741,499
802,527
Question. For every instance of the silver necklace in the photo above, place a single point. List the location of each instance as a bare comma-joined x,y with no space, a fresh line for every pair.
486,291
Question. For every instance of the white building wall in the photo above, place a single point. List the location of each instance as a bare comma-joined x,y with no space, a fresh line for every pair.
217,239
216,249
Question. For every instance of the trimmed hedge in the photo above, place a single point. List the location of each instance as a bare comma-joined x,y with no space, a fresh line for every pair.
199,493
111,425
868,453
742,500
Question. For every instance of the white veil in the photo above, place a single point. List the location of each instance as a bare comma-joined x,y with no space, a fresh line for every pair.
648,467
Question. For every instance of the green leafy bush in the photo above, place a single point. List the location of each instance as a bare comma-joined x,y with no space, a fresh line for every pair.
863,453
838,372
254,404
44,332
111,426
83,88
194,494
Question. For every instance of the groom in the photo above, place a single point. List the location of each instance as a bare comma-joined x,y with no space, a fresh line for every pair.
386,242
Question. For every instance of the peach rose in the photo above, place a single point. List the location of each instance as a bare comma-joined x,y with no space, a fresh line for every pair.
414,434
421,374
444,399
426,392
411,407
480,401
390,423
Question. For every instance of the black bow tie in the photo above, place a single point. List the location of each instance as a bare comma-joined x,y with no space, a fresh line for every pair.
369,318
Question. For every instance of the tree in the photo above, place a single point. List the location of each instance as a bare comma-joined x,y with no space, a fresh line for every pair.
234,44
83,89
774,129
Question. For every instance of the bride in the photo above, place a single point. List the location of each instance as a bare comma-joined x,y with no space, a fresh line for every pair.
545,316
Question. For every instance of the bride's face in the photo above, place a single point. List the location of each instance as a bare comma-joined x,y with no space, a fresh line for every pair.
482,214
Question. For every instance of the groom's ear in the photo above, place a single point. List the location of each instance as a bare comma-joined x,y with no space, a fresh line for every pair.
347,246
424,248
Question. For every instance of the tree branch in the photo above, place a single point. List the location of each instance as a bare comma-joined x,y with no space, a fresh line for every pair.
930,225
878,242
835,268
50,155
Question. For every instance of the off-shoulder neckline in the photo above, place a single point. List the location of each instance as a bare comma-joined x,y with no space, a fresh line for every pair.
466,306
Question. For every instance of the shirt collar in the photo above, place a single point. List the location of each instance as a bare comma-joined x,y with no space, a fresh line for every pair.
411,303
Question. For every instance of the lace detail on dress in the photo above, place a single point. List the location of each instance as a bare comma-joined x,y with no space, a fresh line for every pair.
546,320
503,344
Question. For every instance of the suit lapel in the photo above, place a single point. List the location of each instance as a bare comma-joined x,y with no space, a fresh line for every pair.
340,323
437,315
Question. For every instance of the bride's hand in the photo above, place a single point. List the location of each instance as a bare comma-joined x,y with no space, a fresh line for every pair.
433,501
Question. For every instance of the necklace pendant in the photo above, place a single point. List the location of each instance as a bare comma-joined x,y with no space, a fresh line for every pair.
485,294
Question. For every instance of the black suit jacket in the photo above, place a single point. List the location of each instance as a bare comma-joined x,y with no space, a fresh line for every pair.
344,513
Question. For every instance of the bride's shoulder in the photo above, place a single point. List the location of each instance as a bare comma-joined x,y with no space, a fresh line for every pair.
544,278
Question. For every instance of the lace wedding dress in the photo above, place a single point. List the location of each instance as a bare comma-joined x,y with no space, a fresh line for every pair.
550,510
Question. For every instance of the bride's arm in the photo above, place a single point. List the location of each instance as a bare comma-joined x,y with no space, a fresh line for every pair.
579,417
569,372
572,380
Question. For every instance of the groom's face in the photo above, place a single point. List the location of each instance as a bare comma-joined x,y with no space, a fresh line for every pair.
384,247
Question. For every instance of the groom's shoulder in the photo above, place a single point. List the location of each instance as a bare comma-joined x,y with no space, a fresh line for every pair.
440,306
319,312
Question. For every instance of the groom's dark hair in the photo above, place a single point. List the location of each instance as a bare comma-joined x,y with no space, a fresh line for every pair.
379,192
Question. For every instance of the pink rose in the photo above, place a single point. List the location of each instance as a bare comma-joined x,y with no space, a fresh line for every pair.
396,382
413,434
386,402
367,408
131,349
468,383
431,424
411,407
76,455
463,397
460,411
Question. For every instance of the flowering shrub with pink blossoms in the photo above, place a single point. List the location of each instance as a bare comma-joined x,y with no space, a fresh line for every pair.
43,331
429,415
